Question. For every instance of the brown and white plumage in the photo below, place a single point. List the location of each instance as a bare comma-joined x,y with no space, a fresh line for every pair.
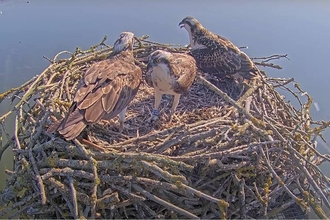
106,89
169,73
215,54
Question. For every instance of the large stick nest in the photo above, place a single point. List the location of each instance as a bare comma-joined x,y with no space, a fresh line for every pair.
225,154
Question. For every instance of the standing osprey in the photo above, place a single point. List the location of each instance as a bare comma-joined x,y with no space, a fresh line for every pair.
169,73
105,90
215,54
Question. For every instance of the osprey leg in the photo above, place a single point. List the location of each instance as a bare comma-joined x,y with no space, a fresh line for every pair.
122,115
158,99
175,104
155,112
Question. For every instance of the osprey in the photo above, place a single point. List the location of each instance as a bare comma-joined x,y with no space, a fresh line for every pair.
169,73
106,89
215,54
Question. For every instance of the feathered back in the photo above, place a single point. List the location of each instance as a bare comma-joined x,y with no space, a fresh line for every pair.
216,54
105,90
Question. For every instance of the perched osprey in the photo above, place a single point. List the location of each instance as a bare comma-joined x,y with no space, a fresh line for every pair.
215,54
106,89
169,73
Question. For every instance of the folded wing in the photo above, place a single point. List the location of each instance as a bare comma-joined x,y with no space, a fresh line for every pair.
108,87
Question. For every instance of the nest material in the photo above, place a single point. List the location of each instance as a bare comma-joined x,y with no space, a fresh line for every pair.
217,158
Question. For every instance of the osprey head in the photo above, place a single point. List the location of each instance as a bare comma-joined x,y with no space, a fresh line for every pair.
125,41
158,57
190,24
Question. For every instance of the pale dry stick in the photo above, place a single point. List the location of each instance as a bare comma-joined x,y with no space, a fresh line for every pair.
95,142
73,197
60,53
199,137
312,201
162,173
32,87
232,151
284,83
224,137
94,165
67,93
145,181
126,191
205,123
65,76
161,44
41,105
169,143
17,127
241,195
278,191
81,57
285,128
272,57
48,59
60,145
293,93
91,144
64,191
263,100
148,136
107,164
166,140
247,94
194,152
263,105
107,201
39,131
164,160
17,89
158,184
164,203
272,65
275,174
324,157
309,176
63,80
260,199
54,74
67,171
199,194
40,183
232,167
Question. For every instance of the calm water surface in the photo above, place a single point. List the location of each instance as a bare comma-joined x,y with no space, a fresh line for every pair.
44,27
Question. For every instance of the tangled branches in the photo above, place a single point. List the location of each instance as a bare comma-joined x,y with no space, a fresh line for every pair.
222,156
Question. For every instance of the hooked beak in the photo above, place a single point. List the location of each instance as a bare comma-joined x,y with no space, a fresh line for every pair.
181,24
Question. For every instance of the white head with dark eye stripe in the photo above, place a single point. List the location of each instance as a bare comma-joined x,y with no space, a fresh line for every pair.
159,58
191,24
124,42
